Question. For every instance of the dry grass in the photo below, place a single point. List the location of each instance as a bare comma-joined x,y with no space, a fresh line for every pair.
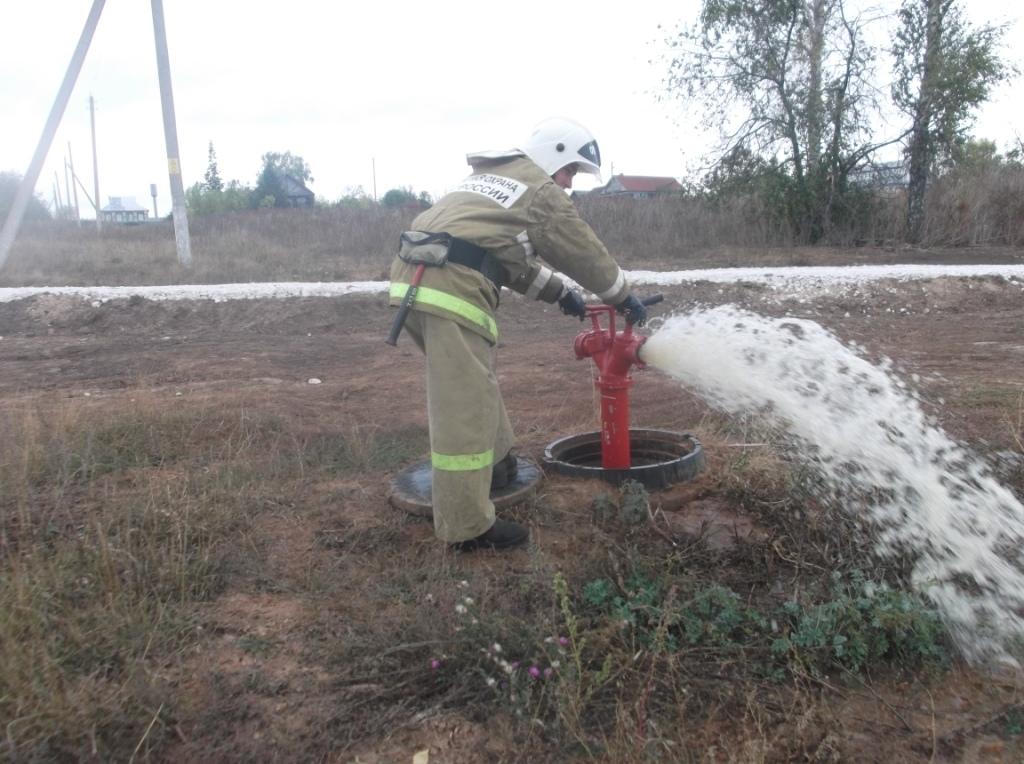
118,528
340,243
336,244
674,651
115,526
985,206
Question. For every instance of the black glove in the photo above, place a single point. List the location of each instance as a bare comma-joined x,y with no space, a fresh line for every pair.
572,304
633,310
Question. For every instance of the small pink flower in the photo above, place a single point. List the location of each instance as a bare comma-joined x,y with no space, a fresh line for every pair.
435,664
563,641
515,664
534,672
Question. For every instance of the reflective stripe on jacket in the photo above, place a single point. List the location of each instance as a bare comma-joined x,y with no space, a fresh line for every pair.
426,297
511,208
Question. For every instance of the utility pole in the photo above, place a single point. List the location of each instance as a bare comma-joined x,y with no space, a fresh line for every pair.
71,162
57,194
85,193
152,192
67,187
178,209
28,183
95,165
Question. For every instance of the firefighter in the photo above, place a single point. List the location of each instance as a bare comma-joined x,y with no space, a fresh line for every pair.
509,224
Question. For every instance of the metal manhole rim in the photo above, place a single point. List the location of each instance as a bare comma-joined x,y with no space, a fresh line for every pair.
685,463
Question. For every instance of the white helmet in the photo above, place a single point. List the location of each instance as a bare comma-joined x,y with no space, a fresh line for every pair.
557,142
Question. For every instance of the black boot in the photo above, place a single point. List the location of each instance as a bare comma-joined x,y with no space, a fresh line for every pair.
502,535
504,472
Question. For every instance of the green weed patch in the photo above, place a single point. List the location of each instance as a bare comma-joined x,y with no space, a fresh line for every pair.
861,625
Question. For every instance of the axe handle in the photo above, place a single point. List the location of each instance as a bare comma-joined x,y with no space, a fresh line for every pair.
405,307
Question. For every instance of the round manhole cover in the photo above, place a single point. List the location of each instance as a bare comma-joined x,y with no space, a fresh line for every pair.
410,488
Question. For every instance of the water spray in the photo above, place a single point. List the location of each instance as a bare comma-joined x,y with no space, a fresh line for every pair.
931,500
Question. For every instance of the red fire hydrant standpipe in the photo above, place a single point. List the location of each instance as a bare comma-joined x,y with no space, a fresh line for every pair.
614,353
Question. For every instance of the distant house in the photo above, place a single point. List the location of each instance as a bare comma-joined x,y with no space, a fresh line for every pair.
638,186
123,209
414,205
882,176
296,193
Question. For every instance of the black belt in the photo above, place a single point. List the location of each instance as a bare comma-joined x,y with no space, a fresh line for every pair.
479,259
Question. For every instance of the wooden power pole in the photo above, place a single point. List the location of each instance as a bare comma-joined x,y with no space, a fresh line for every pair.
74,187
95,165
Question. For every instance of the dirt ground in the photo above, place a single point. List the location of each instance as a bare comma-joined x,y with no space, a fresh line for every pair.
962,337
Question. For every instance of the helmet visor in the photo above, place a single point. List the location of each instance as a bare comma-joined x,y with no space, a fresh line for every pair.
591,152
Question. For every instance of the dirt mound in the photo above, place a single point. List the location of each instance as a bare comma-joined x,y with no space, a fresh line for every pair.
48,313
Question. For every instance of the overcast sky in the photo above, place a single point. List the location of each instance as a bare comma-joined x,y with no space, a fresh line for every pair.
374,95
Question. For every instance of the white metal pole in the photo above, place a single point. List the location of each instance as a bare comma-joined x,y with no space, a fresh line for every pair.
178,209
28,183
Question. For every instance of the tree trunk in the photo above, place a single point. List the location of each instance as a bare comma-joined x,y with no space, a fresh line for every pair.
817,12
921,151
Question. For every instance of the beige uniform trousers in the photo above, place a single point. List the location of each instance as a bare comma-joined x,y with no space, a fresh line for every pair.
469,427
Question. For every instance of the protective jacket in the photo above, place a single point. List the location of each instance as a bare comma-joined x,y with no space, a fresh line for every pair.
517,213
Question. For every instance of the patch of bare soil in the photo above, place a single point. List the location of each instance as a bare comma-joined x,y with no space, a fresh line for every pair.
265,682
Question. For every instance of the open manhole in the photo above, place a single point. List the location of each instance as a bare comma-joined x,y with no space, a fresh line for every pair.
659,458
411,490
